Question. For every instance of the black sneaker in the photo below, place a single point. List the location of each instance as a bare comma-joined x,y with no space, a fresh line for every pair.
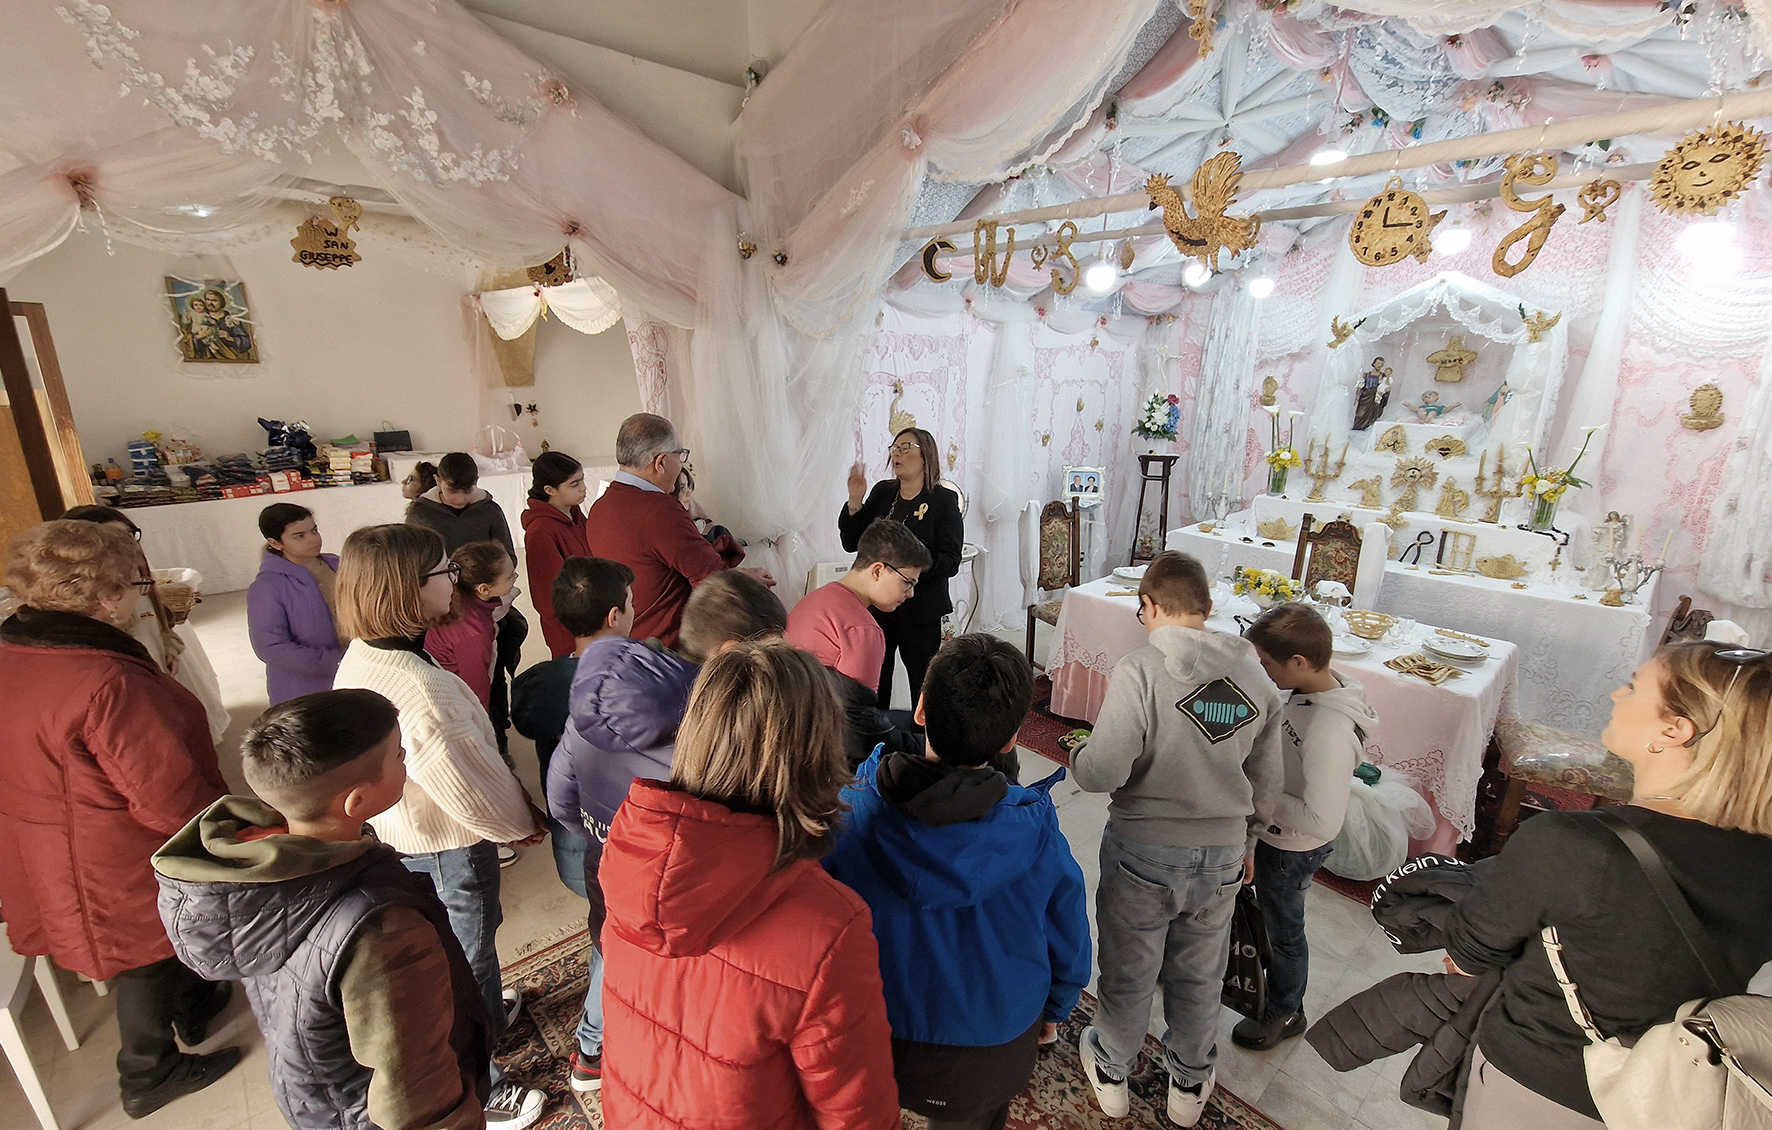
194,1029
587,1072
1268,1033
193,1073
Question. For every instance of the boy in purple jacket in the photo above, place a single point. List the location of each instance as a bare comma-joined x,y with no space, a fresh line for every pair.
627,700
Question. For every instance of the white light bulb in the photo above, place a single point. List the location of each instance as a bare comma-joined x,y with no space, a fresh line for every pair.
1260,286
1329,156
1451,241
1196,273
1710,244
1099,277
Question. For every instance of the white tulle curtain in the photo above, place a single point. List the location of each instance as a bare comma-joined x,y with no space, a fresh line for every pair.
1223,398
1737,561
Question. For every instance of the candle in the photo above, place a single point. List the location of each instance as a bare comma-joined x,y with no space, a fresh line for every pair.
1667,541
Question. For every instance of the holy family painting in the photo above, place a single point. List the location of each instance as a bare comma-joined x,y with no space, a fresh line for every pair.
212,319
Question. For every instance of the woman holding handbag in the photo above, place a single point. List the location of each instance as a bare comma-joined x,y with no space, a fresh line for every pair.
1695,722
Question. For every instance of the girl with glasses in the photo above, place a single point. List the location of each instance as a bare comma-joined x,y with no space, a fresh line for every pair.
461,800
914,497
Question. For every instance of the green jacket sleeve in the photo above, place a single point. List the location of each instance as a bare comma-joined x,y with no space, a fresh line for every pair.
399,1009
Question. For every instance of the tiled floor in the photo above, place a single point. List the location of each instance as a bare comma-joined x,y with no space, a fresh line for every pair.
1292,1085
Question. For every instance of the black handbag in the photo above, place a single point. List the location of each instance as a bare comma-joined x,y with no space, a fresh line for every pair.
1245,974
386,442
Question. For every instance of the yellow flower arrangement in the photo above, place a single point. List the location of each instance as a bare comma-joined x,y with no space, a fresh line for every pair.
1270,583
1551,485
1284,457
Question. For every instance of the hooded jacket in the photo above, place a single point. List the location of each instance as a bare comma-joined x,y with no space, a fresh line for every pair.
1188,742
292,628
1323,737
102,756
626,703
735,994
370,1013
549,538
978,904
482,519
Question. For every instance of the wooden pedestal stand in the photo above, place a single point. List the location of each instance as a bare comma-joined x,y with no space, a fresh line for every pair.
1152,468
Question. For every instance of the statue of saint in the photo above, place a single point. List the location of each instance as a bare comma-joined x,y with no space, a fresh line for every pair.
1374,394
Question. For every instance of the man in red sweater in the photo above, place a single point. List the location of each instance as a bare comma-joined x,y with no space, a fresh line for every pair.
638,523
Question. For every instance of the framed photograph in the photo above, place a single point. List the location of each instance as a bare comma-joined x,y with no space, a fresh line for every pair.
1083,483
212,320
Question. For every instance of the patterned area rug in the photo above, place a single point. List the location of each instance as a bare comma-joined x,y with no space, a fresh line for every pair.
553,984
1043,728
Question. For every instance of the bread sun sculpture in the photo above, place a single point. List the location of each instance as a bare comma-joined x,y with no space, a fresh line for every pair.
1708,168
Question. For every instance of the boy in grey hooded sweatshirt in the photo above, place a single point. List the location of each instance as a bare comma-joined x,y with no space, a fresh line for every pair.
1324,729
1188,742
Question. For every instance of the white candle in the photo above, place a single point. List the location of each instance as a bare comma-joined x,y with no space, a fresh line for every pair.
1667,541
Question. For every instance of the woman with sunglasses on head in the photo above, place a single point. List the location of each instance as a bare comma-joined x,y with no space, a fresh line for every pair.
461,801
1695,723
912,496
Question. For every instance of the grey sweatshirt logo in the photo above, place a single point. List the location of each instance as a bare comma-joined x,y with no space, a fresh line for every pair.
1219,709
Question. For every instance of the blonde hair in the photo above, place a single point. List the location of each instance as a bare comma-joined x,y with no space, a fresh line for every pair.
380,572
74,566
763,728
931,457
1729,783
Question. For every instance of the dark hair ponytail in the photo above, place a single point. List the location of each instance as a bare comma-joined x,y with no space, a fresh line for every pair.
551,469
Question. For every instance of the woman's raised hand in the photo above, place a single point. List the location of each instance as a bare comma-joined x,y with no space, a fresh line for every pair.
858,486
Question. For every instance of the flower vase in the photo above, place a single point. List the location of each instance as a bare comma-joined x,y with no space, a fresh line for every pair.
1544,513
1262,600
1276,479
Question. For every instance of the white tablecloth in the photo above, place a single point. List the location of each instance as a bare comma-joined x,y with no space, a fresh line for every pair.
220,538
1573,653
1437,735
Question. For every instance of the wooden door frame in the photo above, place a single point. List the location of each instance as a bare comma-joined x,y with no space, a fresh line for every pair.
77,487
27,420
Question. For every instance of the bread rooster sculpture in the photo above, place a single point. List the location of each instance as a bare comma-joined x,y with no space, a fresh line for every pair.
1204,235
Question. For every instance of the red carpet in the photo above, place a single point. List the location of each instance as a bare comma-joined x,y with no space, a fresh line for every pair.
1043,728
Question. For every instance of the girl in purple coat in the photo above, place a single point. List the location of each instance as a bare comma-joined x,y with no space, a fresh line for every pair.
289,607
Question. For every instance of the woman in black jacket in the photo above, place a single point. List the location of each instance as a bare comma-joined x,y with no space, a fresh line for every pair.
1695,722
932,513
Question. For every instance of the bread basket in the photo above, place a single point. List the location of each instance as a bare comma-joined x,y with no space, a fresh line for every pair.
1367,624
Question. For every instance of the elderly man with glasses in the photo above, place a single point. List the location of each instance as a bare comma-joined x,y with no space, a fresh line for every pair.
638,523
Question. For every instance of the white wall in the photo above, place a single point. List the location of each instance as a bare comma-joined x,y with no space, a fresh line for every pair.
341,349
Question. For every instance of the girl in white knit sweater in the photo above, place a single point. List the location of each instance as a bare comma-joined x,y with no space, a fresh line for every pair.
461,800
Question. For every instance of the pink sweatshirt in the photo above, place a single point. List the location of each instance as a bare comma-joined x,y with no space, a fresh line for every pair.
468,646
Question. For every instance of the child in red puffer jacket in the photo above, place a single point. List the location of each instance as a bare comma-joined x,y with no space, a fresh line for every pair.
740,979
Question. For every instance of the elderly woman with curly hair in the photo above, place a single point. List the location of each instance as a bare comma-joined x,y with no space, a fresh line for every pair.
105,756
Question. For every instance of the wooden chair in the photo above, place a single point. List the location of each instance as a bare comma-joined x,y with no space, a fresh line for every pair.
1687,622
1531,753
1330,552
1060,564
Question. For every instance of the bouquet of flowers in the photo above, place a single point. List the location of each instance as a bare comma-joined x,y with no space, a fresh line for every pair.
1266,585
1161,417
1281,455
1550,485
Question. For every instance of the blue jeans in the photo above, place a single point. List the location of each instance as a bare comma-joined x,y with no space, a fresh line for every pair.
467,883
569,855
590,1021
1281,880
1164,918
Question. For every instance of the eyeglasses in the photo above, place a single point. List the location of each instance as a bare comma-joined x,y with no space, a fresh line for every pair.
905,448
1741,657
910,583
680,452
135,532
146,584
452,570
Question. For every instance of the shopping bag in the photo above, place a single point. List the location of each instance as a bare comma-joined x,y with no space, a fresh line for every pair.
498,449
1245,974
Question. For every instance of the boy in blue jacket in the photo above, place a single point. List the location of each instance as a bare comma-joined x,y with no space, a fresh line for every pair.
978,905
626,702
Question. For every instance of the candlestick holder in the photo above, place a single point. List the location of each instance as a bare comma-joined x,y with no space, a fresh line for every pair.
1320,475
1629,575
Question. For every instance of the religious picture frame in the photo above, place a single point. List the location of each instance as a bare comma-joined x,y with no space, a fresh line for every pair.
1083,483
213,321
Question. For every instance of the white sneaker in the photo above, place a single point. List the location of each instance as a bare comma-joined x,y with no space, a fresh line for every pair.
513,1005
507,855
1185,1107
1113,1098
514,1107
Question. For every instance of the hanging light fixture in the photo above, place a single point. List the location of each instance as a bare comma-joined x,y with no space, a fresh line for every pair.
1261,286
1452,240
1195,274
1710,244
1329,156
1099,276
